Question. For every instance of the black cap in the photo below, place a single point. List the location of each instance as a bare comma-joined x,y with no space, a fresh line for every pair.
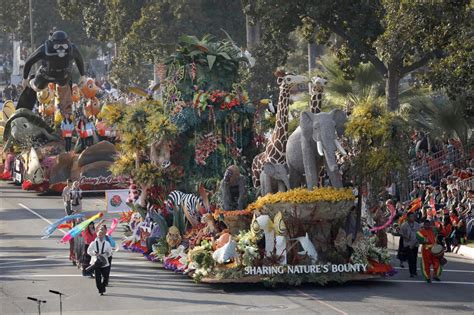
59,37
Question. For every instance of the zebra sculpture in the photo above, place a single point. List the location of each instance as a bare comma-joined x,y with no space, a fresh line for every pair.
193,206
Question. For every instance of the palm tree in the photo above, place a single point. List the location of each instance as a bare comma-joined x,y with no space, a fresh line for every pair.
441,117
344,92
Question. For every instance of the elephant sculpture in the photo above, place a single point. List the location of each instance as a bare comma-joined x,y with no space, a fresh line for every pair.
273,178
313,145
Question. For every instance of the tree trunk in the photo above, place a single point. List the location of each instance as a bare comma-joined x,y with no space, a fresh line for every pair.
138,160
253,33
312,54
359,209
391,90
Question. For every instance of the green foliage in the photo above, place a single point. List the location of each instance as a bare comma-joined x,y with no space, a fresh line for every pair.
247,247
113,114
396,37
216,62
442,117
139,125
14,18
160,248
453,73
145,31
380,139
179,220
201,259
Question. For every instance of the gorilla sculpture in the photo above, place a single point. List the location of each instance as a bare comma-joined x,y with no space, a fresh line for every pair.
233,189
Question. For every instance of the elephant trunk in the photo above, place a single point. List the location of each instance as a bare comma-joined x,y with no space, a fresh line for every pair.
330,157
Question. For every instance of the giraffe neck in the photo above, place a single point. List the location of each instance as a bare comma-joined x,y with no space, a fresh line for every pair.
316,100
277,145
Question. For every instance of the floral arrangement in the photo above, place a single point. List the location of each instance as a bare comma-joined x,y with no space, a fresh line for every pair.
247,246
206,145
230,213
176,260
200,259
365,249
303,195
125,217
217,98
160,249
112,113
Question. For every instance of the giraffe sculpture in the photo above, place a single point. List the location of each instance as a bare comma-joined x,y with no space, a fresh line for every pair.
275,149
317,90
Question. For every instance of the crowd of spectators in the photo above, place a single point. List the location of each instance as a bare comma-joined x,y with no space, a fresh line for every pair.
431,159
10,92
448,202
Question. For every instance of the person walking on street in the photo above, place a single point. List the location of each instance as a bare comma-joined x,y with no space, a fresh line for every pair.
101,250
111,241
76,198
427,239
89,236
67,197
408,232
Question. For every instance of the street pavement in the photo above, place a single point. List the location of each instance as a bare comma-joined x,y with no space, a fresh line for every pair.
30,266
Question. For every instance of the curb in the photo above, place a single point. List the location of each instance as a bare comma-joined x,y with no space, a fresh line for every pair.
464,251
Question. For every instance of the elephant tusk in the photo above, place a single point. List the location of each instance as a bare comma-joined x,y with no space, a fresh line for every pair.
320,148
339,147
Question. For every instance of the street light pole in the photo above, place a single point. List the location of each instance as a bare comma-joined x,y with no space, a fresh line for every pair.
60,300
38,301
31,24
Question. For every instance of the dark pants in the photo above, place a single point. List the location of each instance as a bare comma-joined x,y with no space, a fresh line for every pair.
68,143
67,208
72,256
107,271
448,241
412,255
89,141
43,77
86,260
101,278
149,244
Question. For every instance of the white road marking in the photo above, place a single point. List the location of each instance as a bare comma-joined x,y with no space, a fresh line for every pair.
30,260
116,263
39,216
131,263
317,299
39,265
118,275
422,281
444,270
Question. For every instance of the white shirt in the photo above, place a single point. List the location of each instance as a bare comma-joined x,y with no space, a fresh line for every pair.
98,244
65,194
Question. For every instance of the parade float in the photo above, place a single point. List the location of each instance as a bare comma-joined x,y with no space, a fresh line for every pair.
34,146
194,173
51,114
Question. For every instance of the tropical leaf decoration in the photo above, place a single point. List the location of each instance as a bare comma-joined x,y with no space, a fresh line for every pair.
179,220
215,63
161,221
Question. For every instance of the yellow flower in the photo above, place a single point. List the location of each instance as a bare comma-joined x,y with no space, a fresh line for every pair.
302,195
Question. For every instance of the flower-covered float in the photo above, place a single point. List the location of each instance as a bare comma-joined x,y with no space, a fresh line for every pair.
190,149
34,151
288,237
